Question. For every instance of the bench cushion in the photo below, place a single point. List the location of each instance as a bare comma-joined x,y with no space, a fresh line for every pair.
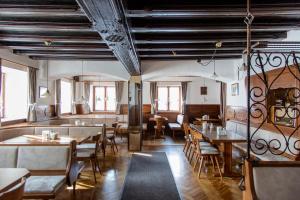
43,157
84,131
44,184
8,156
175,126
276,183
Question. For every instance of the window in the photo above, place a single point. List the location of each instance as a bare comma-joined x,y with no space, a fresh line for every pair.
66,97
14,92
104,98
169,98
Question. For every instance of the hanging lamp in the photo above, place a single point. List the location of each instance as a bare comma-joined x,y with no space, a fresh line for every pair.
82,99
214,75
47,93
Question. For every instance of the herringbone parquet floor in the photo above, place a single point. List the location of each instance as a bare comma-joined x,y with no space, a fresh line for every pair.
109,186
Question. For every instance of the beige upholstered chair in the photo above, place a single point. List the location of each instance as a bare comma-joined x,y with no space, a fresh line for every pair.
91,154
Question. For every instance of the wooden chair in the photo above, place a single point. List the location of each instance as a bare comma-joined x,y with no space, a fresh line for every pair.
159,127
16,193
204,151
111,139
33,189
91,155
196,138
187,137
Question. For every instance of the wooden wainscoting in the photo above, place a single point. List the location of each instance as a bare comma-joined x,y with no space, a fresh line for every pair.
193,111
198,110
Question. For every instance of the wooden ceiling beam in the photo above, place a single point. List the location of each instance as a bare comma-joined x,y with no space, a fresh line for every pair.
109,20
49,11
63,52
59,39
45,26
191,55
191,58
218,11
201,41
51,57
212,29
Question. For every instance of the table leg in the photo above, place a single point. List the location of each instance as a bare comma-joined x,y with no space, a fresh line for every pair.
227,159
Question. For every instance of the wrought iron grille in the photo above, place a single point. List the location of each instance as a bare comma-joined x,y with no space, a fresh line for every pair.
273,102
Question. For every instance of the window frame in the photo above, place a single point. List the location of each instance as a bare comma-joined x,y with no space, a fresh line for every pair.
168,94
2,114
105,99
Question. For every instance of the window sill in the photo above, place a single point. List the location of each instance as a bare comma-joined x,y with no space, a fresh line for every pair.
13,122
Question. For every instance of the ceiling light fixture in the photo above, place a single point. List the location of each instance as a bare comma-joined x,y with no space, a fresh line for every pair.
218,45
82,99
214,75
48,43
47,93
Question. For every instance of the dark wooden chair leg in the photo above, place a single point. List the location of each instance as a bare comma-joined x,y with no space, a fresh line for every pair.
94,169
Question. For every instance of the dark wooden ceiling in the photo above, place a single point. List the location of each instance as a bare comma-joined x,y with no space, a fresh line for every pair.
154,29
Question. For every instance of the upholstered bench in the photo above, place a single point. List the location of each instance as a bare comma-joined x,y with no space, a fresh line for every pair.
51,167
268,156
269,180
178,125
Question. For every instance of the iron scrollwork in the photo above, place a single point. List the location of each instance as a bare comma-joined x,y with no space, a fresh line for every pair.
276,115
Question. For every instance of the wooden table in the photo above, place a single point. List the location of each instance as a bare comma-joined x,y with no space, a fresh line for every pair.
152,119
227,140
208,120
37,140
9,177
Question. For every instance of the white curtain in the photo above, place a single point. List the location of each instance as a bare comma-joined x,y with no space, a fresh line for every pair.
223,102
119,91
184,86
31,116
153,96
58,96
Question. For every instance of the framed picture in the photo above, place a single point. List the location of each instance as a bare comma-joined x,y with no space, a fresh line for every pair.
203,90
235,89
42,91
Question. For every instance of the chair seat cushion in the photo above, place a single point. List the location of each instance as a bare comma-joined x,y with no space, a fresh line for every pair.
175,126
86,146
205,144
44,184
209,151
84,153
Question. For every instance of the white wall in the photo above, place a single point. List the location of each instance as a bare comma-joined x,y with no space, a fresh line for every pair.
193,93
42,81
113,69
158,69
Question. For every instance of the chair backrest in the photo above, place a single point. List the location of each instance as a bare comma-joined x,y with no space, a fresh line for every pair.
41,158
180,119
160,122
15,193
272,180
97,139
